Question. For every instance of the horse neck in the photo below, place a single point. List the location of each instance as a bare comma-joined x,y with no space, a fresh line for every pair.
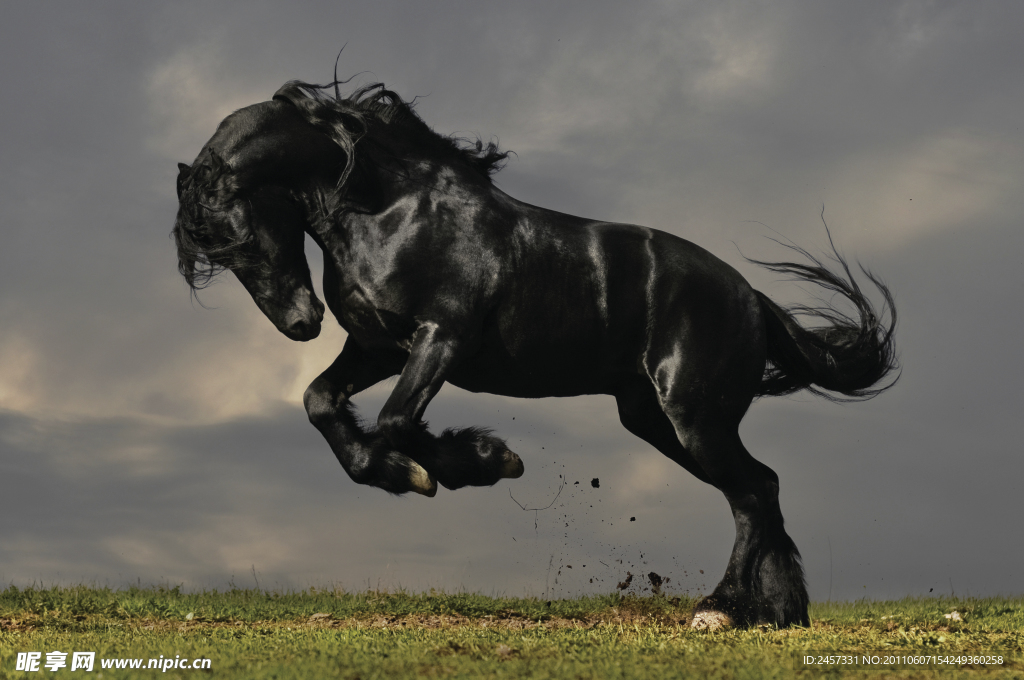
413,175
392,183
417,176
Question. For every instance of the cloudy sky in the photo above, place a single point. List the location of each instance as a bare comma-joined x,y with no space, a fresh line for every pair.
144,438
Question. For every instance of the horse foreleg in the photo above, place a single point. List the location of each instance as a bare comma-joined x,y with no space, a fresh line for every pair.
367,456
467,457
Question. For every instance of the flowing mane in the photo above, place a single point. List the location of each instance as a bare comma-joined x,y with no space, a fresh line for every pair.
204,189
373,112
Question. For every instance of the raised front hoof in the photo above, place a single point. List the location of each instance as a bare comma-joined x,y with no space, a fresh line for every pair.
470,457
511,466
421,481
711,620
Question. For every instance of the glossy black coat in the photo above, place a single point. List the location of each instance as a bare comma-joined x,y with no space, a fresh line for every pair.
438,276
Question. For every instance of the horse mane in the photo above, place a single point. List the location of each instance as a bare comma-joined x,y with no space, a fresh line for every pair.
375,114
205,189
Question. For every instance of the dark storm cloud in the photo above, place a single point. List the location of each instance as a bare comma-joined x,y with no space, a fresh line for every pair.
145,437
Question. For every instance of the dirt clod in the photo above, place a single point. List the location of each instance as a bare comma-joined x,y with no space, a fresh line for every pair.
656,581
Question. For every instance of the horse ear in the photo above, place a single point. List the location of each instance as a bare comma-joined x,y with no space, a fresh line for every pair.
183,173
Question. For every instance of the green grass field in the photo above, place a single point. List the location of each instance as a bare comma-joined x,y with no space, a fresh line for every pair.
320,634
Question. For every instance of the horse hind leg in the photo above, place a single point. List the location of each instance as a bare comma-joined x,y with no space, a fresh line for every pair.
763,582
641,414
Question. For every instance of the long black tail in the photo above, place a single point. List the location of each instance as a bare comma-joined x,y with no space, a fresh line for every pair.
844,360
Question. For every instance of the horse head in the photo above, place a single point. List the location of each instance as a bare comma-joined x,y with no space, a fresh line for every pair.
244,205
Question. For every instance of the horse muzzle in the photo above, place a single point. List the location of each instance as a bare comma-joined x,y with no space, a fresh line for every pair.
304,323
302,329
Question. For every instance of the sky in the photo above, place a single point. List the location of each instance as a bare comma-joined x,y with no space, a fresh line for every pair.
147,439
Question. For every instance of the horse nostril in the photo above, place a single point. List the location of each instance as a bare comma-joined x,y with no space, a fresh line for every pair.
303,329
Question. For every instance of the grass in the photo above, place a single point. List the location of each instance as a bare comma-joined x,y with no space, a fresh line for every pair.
333,634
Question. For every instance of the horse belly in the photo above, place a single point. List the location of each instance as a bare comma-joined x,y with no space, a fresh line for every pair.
555,376
549,357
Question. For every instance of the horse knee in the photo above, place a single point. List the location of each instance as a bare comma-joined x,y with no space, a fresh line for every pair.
320,401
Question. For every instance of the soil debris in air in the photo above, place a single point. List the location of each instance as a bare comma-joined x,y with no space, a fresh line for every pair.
596,483
625,584
656,581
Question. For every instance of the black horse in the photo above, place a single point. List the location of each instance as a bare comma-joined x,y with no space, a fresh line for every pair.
438,276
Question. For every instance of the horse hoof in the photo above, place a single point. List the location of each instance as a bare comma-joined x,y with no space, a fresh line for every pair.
710,620
511,466
421,480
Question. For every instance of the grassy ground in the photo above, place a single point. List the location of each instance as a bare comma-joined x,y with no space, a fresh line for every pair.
315,634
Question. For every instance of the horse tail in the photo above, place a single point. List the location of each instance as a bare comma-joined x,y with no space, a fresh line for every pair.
845,359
